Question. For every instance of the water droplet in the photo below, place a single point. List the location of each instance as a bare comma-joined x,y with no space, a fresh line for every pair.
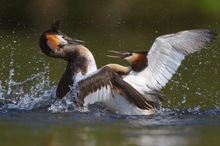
184,99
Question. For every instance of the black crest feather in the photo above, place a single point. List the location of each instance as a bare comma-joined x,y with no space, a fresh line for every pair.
56,25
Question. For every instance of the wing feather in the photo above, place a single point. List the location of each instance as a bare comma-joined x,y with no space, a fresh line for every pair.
106,78
168,51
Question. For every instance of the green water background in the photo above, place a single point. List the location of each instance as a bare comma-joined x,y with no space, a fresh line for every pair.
112,25
109,25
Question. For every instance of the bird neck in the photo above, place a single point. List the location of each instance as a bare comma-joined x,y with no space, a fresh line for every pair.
139,62
67,80
83,64
90,62
121,70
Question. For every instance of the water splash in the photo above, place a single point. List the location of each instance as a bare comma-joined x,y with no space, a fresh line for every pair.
11,72
67,104
2,95
32,93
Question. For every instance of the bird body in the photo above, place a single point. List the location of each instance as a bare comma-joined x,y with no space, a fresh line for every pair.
106,86
110,89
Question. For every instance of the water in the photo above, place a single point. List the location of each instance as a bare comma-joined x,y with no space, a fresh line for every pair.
28,116
28,112
190,114
40,127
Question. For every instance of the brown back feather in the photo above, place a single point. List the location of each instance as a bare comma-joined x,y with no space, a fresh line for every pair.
107,77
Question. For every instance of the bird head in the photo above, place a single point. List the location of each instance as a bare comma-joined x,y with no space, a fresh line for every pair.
53,40
137,59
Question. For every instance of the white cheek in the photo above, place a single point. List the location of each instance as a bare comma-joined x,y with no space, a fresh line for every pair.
129,58
62,41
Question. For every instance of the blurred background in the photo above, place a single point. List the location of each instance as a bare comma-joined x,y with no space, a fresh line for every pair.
192,97
111,25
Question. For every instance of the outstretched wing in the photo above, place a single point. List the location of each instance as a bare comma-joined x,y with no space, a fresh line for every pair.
168,51
105,79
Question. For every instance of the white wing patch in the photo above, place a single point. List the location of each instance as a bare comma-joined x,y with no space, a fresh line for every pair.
167,53
101,95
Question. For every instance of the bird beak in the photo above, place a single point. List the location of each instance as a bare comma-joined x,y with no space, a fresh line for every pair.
79,41
120,54
73,41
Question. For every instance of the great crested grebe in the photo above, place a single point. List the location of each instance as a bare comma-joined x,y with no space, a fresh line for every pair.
87,84
150,71
137,59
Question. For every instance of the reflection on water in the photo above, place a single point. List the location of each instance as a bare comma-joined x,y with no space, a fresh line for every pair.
103,128
163,137
152,137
